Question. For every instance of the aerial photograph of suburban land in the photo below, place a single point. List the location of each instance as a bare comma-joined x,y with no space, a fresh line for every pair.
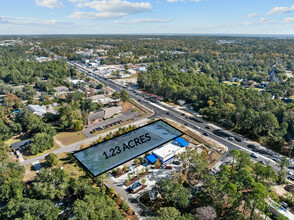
147,110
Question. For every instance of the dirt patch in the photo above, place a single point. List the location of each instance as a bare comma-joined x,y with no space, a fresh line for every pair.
280,190
30,173
67,138
126,106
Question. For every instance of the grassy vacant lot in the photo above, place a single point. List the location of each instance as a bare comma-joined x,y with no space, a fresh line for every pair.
70,165
30,173
67,138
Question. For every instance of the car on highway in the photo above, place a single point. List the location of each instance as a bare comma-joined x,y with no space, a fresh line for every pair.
205,133
276,159
253,155
231,138
183,114
207,127
186,124
167,113
197,127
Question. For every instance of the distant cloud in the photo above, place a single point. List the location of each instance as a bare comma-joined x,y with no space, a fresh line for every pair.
108,9
252,15
288,20
31,21
95,15
143,20
281,10
262,20
50,3
171,1
75,1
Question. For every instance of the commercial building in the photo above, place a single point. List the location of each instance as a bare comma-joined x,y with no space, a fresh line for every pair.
169,150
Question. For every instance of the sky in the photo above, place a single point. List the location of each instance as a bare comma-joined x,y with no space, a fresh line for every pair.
147,17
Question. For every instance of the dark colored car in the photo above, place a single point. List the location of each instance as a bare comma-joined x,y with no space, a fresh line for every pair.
206,134
207,127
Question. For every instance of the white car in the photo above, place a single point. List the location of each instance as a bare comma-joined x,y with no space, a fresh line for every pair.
197,127
289,172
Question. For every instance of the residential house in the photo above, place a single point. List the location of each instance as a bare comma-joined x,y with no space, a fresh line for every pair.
99,98
20,145
60,90
43,109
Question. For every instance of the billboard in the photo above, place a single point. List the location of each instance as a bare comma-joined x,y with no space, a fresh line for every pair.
105,156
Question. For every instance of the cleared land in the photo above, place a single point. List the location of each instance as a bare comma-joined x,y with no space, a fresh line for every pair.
67,138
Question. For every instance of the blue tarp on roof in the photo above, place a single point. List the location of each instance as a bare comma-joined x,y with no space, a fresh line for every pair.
182,142
151,158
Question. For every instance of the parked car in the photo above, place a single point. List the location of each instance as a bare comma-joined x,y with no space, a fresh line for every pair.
291,178
186,124
167,113
290,173
253,155
169,167
206,134
231,138
197,127
176,162
276,159
207,127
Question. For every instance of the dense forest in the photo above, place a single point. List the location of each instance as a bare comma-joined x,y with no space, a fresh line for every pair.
243,110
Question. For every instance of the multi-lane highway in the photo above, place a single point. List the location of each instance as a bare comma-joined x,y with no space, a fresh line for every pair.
164,111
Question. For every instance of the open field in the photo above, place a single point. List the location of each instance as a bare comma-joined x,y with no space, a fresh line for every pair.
67,138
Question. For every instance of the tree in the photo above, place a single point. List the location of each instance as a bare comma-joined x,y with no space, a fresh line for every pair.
98,206
173,192
205,213
40,142
143,181
124,95
51,160
115,95
283,164
168,213
157,164
257,197
136,161
125,168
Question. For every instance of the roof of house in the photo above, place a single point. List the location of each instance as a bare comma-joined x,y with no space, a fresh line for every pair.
97,97
20,144
61,89
96,115
41,110
108,112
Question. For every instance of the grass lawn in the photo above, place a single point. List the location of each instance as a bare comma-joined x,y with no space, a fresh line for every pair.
30,173
11,141
67,138
70,165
